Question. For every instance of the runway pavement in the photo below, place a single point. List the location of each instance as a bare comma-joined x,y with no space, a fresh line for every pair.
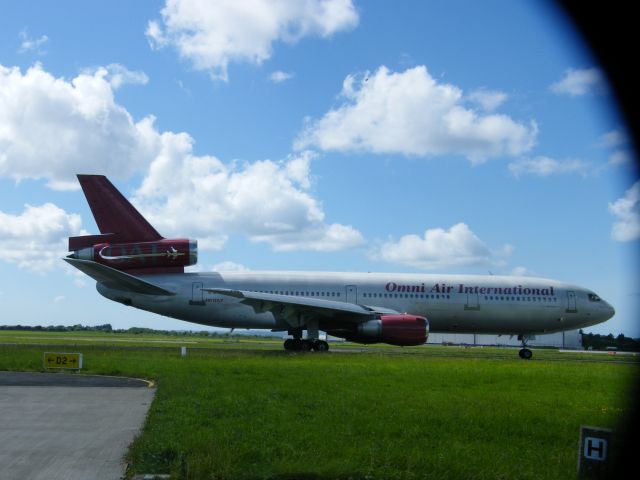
68,426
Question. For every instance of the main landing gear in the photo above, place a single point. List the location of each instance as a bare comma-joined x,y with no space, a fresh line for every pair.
524,352
297,344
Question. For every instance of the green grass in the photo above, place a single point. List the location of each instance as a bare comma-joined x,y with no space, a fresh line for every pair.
248,412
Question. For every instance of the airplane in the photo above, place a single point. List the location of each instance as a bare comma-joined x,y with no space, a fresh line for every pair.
136,266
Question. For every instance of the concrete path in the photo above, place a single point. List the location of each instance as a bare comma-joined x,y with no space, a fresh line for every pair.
58,426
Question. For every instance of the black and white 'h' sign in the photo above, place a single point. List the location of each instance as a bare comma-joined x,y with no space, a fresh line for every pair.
595,453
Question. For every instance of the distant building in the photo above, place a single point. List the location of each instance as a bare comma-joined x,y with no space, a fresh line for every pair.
570,339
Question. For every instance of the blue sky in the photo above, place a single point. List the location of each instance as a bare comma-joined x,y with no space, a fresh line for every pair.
439,137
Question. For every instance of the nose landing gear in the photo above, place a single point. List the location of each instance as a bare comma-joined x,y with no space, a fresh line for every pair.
524,352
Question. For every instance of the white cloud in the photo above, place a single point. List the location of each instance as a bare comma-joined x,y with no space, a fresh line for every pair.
279,76
298,168
522,272
627,212
230,267
264,200
614,138
617,141
36,239
79,278
489,100
197,268
545,166
29,44
410,113
619,157
577,82
53,128
213,34
118,75
317,236
439,248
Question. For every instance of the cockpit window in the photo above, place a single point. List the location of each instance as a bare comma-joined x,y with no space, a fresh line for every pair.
593,297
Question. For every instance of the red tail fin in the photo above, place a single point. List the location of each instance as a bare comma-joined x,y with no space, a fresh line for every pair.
116,218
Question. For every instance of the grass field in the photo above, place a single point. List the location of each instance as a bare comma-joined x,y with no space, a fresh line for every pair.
246,409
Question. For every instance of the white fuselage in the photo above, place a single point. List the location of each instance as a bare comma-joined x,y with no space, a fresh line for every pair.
451,303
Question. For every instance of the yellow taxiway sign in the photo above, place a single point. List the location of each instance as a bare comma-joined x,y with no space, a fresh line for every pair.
72,361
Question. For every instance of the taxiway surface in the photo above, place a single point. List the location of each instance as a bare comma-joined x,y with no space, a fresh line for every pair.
61,426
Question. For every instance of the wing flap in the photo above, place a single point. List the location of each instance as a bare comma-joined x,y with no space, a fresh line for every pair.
115,279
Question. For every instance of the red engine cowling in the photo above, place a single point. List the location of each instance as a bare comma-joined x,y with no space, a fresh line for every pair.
403,330
165,253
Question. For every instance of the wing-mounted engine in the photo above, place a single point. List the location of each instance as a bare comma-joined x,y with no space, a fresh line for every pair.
159,256
400,329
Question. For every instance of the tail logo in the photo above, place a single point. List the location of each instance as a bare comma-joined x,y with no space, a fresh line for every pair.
172,254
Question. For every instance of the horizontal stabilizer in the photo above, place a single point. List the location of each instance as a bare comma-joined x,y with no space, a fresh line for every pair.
84,241
115,279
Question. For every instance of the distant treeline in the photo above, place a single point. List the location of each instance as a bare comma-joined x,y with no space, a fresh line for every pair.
60,328
133,330
594,341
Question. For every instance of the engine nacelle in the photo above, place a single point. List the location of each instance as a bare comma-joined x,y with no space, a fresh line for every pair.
163,253
403,330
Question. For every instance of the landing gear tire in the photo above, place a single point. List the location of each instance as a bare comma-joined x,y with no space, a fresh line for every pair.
525,354
295,345
320,346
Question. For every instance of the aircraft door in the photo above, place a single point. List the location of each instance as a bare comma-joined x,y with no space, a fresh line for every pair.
473,302
572,306
197,295
351,292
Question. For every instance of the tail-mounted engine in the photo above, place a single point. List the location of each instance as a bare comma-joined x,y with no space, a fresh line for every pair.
127,241
403,330
156,256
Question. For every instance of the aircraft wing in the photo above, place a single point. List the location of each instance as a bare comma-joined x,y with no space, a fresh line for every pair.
292,307
112,278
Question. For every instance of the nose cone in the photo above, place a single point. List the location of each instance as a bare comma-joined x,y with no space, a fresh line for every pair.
609,311
596,310
603,312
